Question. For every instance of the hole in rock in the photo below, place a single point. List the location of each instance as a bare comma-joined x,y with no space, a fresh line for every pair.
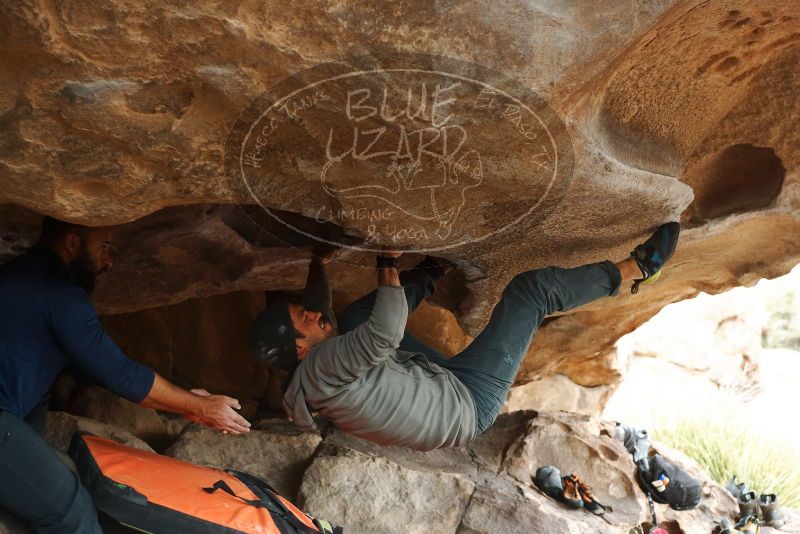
609,453
739,178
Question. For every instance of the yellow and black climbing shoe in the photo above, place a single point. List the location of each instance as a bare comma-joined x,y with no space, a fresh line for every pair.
747,525
651,255
748,504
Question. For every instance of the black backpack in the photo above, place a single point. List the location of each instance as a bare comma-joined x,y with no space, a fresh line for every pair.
155,494
682,492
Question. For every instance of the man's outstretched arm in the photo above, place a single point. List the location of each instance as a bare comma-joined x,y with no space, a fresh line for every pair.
347,357
317,295
198,406
78,330
418,283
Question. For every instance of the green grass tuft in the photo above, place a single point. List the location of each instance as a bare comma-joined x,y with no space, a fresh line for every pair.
767,463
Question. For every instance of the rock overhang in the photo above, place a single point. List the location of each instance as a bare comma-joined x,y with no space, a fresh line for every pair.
112,115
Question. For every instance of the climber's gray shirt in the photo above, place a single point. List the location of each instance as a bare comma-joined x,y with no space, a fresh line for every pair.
370,389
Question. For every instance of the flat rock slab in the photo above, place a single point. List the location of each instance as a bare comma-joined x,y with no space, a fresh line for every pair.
368,494
525,512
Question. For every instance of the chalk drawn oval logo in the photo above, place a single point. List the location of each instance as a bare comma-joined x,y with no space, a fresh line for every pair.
424,152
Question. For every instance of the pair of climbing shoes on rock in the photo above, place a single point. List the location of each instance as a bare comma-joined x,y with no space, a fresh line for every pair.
569,490
753,511
762,510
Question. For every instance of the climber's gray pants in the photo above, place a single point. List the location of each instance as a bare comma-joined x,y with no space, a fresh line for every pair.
488,366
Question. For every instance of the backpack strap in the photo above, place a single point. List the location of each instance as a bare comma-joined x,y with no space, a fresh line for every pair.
258,503
269,495
326,528
652,509
268,498
274,505
253,482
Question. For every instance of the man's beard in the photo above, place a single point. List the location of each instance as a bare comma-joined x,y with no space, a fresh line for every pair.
84,271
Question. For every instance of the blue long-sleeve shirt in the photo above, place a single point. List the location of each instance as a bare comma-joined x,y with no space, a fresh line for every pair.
47,323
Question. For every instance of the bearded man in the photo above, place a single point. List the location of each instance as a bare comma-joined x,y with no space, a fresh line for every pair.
47,323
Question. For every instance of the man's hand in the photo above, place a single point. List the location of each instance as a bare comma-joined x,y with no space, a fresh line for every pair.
198,406
389,277
330,255
217,411
390,253
325,254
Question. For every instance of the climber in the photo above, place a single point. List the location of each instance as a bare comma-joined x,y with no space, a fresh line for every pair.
48,324
377,382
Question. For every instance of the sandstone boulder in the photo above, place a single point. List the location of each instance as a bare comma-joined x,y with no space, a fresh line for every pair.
198,343
272,450
121,114
372,494
483,457
710,348
574,445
